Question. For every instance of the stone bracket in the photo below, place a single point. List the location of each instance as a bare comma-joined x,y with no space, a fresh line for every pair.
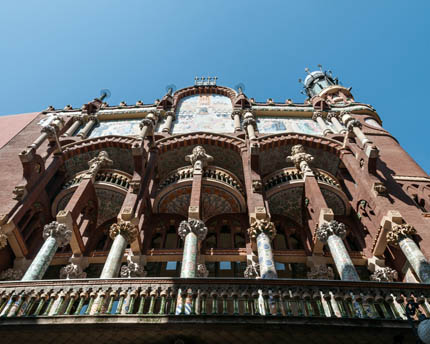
380,243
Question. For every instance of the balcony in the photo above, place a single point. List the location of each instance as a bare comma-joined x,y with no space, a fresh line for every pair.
246,309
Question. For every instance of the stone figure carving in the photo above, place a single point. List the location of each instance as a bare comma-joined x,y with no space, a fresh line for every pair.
199,159
300,158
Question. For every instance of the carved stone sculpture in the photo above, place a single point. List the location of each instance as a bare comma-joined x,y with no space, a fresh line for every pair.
59,232
11,275
192,225
262,226
72,271
252,270
329,228
132,269
3,239
384,275
199,159
202,271
257,186
300,158
126,229
100,161
399,232
321,272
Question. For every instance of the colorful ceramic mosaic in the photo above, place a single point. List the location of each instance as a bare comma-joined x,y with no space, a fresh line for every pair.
109,204
176,202
334,202
288,203
265,257
216,201
189,258
127,127
276,124
204,112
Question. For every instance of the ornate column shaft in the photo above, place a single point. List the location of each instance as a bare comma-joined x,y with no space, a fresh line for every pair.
235,116
318,117
263,231
333,118
191,231
170,117
400,235
249,124
78,120
92,120
332,233
122,234
55,235
147,125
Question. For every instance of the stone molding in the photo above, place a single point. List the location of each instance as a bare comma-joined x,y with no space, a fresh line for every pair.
400,232
330,228
126,229
59,232
259,226
192,225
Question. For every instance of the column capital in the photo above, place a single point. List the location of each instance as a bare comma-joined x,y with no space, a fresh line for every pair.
100,161
384,275
259,226
333,114
126,229
147,122
202,271
317,114
353,123
72,271
327,229
3,239
199,159
49,130
192,225
236,113
59,232
170,113
300,158
249,121
400,232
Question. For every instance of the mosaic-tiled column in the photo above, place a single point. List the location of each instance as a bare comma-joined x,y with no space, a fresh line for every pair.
332,233
122,234
55,235
263,231
191,232
400,235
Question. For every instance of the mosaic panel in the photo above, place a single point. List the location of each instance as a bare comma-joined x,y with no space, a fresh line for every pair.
276,124
288,203
204,112
216,201
224,158
109,204
121,157
176,202
334,202
273,159
116,127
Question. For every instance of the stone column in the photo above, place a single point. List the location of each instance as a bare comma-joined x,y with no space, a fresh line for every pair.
91,120
122,234
147,125
318,117
191,231
400,235
249,124
78,120
332,233
333,118
170,117
263,231
235,116
55,235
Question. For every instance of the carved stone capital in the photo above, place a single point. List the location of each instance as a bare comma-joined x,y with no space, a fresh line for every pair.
384,275
331,115
321,272
262,226
202,271
49,130
330,228
172,114
72,271
300,158
135,186
354,123
236,113
126,229
400,232
11,275
249,121
199,159
192,225
100,161
147,122
59,232
317,114
3,239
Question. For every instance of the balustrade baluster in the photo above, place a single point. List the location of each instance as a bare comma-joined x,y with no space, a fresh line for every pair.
299,304
347,298
42,301
286,297
153,294
379,299
101,300
224,296
163,295
422,302
173,297
193,295
327,298
112,296
317,298
245,296
339,301
255,307
82,298
18,304
9,305
214,303
72,299
52,298
93,295
235,303
203,296
133,296
30,305
307,300
61,300
143,295
122,296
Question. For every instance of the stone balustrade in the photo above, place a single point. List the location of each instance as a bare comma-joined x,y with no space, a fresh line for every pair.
280,298
210,173
292,175
109,176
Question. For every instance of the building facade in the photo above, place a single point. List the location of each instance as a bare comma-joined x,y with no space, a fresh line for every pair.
208,217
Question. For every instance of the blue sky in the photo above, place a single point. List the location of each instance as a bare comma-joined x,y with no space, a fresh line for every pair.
64,52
